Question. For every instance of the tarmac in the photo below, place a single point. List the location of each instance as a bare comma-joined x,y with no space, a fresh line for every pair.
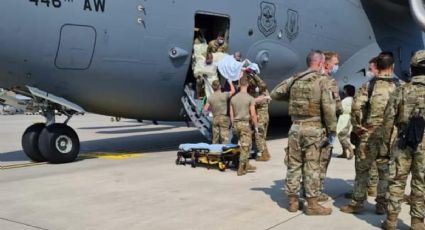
126,178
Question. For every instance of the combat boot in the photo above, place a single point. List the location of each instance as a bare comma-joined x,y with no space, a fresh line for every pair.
380,208
417,224
241,169
249,168
372,191
323,197
293,203
352,207
315,209
265,156
390,223
348,195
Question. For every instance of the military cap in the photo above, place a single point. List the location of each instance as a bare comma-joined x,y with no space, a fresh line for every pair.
417,58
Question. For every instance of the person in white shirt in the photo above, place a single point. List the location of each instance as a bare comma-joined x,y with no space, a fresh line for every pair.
344,127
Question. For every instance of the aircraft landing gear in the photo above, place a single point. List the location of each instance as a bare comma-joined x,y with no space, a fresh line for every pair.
59,143
56,143
52,142
30,142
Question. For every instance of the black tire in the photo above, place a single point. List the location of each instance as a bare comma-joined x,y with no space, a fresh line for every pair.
59,144
30,142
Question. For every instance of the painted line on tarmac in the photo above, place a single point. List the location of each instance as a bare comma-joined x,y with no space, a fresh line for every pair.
93,155
17,222
110,155
24,165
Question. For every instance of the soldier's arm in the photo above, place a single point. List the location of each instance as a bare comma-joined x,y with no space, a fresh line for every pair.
232,115
328,105
257,79
210,46
390,116
225,47
206,107
335,92
232,88
358,107
253,115
281,91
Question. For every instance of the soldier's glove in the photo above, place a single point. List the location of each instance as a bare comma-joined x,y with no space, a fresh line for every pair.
327,141
332,138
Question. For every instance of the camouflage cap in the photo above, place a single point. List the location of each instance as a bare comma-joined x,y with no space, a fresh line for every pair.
417,58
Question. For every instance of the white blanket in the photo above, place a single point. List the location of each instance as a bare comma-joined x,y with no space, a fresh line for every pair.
230,68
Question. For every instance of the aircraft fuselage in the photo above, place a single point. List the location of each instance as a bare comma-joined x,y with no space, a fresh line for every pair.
116,57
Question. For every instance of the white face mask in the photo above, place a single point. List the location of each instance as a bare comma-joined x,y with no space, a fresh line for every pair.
370,74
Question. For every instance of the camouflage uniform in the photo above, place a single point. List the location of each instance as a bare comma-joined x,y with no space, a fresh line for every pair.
373,179
240,104
262,109
214,47
310,102
368,112
221,122
326,153
407,98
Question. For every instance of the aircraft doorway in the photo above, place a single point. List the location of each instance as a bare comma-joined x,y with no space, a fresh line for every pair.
200,75
207,27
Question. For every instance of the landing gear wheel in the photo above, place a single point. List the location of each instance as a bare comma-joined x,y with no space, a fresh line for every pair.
30,142
59,143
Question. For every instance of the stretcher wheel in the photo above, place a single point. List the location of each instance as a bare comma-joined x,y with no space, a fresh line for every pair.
222,166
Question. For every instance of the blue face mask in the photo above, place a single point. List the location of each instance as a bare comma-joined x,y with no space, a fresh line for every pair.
335,69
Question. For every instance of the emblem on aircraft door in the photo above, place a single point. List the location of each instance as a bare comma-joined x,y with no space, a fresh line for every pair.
292,27
267,20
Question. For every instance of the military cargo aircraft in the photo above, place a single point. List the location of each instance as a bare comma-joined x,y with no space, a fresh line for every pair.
132,58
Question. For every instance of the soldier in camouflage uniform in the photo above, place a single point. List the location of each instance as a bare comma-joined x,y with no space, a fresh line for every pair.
258,89
312,110
242,111
367,117
373,172
407,100
331,66
218,102
218,45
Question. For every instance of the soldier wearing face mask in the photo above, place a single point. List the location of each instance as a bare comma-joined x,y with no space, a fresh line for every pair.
218,45
330,68
372,71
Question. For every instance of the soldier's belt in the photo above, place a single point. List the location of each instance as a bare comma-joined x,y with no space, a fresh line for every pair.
241,121
308,123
